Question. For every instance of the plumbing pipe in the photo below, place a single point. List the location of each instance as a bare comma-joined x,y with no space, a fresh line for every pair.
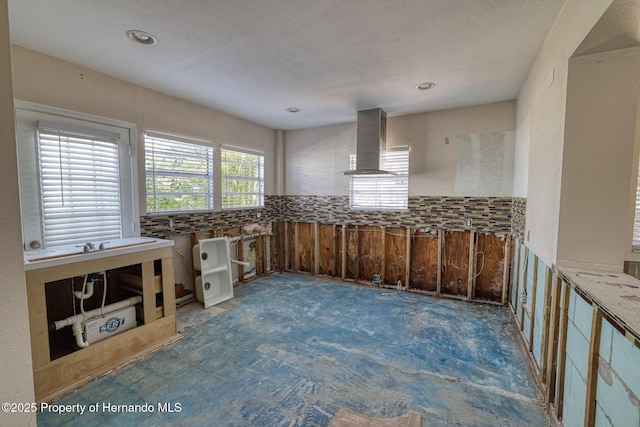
246,264
79,318
77,333
87,290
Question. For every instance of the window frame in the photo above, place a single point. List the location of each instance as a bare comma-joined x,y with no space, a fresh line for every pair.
259,179
210,174
27,116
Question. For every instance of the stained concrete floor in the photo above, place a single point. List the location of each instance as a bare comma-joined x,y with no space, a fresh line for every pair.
293,350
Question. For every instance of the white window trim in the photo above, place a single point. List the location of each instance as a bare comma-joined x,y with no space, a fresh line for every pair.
213,168
27,115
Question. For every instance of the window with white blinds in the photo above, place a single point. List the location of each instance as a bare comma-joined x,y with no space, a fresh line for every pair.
79,187
382,192
242,178
179,174
77,177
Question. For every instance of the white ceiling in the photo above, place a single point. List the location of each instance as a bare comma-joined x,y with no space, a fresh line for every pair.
330,58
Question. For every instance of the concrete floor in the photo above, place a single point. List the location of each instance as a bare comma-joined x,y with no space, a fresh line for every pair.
293,350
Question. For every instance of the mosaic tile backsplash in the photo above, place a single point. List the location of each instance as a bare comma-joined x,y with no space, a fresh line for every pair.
518,217
482,214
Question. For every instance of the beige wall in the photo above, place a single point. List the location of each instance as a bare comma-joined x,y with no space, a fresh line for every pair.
314,157
542,102
53,82
598,159
16,379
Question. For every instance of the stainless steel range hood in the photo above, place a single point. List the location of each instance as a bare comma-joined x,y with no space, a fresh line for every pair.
371,142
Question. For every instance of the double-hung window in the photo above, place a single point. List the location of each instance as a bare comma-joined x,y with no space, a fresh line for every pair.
179,174
382,192
75,180
242,178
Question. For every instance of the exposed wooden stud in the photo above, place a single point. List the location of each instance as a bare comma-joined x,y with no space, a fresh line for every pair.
343,274
472,264
592,367
552,348
534,290
505,277
546,315
296,251
334,256
407,278
383,267
516,277
356,267
524,279
562,350
240,247
316,248
287,249
439,276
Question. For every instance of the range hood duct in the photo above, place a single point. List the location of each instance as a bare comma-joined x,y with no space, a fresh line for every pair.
371,143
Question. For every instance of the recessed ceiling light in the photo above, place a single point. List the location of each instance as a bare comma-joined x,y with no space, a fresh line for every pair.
293,109
141,37
426,86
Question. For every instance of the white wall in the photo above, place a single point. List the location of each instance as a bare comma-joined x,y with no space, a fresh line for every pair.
51,81
16,379
314,157
542,103
598,174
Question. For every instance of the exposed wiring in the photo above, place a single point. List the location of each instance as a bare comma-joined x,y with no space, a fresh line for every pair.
481,268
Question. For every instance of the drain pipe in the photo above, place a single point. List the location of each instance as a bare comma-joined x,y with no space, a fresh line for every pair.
87,289
76,321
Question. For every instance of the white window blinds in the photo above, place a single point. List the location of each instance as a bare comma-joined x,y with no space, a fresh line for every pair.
242,179
384,192
179,174
79,186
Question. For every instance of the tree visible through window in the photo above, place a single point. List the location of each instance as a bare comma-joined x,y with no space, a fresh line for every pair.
179,174
242,178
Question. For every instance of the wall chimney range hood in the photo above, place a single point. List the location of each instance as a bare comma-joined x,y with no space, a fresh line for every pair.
371,143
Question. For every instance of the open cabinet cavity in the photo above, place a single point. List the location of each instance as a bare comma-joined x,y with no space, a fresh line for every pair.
139,291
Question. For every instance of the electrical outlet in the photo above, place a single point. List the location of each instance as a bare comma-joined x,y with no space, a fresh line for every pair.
172,225
468,222
258,214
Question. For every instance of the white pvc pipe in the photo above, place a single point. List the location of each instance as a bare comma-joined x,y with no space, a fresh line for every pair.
87,289
79,318
246,264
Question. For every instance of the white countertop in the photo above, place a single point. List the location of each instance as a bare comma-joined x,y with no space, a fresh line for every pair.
616,293
43,258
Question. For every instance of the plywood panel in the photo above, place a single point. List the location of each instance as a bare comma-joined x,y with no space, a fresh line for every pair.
326,261
489,267
290,245
370,252
424,262
305,243
455,263
395,255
